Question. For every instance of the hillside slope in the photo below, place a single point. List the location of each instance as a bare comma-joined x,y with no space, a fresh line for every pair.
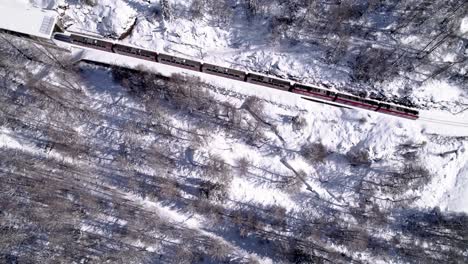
153,165
405,51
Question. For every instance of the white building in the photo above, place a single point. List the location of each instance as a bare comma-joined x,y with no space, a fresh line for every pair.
29,22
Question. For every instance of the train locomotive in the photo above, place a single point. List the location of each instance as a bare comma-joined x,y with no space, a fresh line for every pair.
255,78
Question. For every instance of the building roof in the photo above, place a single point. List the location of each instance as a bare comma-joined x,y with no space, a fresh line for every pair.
32,21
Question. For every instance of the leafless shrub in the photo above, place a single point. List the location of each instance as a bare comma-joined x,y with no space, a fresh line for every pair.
166,10
344,12
298,254
298,122
358,156
169,190
134,81
293,184
362,120
197,141
90,2
255,106
247,221
234,117
243,165
213,191
218,251
412,176
257,137
278,215
373,65
159,156
409,150
410,155
206,207
314,152
183,255
378,216
196,9
217,168
189,94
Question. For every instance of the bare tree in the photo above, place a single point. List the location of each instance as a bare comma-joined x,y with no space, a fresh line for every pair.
166,10
243,165
314,152
359,156
216,168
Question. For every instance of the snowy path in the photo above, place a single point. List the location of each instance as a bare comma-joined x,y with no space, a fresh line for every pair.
457,198
443,123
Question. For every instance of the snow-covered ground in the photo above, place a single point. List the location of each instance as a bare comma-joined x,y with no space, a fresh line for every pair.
246,46
447,191
438,141
202,41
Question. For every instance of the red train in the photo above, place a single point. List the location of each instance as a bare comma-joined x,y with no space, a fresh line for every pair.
285,85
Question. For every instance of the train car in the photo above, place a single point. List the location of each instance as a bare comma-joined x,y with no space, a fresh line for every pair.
398,111
268,81
313,92
224,72
62,37
91,42
179,62
134,52
357,101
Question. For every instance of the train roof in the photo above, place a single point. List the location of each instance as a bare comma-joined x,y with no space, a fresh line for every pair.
27,20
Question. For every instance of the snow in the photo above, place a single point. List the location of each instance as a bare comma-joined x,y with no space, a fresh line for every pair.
457,197
113,16
438,91
179,218
243,190
449,179
7,141
443,123
15,3
464,26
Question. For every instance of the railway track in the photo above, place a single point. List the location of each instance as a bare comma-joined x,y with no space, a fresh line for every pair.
307,91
